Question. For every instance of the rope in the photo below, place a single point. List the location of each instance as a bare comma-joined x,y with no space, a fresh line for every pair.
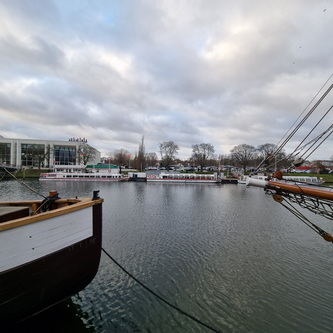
304,119
47,203
160,297
305,220
316,139
305,109
287,139
24,184
318,145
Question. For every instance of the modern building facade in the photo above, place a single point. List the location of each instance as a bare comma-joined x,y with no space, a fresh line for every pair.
46,153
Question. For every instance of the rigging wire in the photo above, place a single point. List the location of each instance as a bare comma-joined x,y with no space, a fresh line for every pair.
319,144
160,297
305,109
319,121
312,142
287,139
307,222
304,119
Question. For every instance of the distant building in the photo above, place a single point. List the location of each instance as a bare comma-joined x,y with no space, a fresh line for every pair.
46,153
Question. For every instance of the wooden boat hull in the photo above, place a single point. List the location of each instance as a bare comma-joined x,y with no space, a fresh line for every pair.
27,286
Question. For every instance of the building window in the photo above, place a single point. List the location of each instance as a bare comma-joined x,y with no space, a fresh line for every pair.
5,153
64,155
32,155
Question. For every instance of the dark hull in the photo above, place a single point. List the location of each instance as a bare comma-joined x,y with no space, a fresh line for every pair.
31,288
229,181
137,179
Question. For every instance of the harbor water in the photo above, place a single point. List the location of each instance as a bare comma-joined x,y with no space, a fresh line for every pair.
228,255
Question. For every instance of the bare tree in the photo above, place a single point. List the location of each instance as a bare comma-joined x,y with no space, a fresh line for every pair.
243,154
122,157
266,150
85,153
168,151
151,159
225,159
202,152
268,156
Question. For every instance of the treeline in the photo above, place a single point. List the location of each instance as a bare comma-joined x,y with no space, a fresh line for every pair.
203,155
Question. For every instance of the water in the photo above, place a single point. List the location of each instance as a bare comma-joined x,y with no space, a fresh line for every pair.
226,254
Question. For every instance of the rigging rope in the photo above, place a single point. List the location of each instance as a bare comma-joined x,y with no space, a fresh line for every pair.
316,205
327,236
280,145
304,119
319,121
24,184
313,141
318,145
305,109
160,297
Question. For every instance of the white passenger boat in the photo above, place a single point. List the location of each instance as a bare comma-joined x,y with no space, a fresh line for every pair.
244,178
188,178
305,180
299,180
64,176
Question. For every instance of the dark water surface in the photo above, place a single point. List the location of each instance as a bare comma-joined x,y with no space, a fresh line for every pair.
226,254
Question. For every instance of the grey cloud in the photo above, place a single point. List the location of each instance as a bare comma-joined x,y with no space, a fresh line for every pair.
168,70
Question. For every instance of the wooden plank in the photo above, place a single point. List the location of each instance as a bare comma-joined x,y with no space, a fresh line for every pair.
8,213
85,202
32,241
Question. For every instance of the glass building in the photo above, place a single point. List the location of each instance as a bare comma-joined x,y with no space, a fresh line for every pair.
46,153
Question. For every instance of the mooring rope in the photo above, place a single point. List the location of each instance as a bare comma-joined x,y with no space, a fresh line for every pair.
160,297
24,184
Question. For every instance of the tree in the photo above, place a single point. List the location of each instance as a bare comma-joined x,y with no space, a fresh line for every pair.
141,156
243,154
267,155
225,159
168,151
85,153
151,159
202,152
266,151
122,157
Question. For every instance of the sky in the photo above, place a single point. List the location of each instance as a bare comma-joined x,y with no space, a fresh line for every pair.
197,71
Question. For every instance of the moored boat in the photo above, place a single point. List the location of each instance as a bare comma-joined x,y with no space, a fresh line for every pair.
137,176
304,180
300,180
90,176
187,178
49,250
243,179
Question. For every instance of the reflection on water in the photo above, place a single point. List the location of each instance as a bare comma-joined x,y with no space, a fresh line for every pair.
227,254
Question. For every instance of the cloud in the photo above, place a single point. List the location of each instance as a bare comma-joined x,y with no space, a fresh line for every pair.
191,72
